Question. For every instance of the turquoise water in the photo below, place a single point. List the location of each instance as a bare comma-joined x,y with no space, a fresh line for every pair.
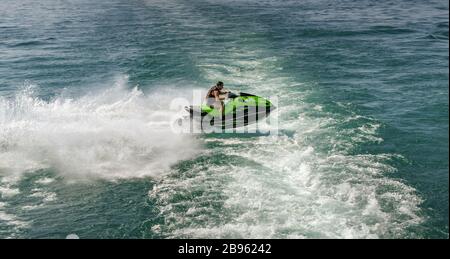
85,140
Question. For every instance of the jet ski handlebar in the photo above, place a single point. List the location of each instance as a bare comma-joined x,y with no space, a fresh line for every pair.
233,95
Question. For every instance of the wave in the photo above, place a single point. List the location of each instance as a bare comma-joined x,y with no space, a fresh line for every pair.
309,183
110,134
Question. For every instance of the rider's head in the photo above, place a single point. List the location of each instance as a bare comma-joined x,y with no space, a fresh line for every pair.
219,84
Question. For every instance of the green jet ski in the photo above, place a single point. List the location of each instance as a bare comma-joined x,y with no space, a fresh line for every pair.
239,110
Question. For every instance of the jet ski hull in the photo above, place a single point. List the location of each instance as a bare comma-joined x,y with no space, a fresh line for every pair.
241,110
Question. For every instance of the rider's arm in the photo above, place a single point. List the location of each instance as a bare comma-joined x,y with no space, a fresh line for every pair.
218,104
216,96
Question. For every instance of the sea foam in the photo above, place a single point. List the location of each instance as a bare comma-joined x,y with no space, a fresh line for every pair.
111,133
